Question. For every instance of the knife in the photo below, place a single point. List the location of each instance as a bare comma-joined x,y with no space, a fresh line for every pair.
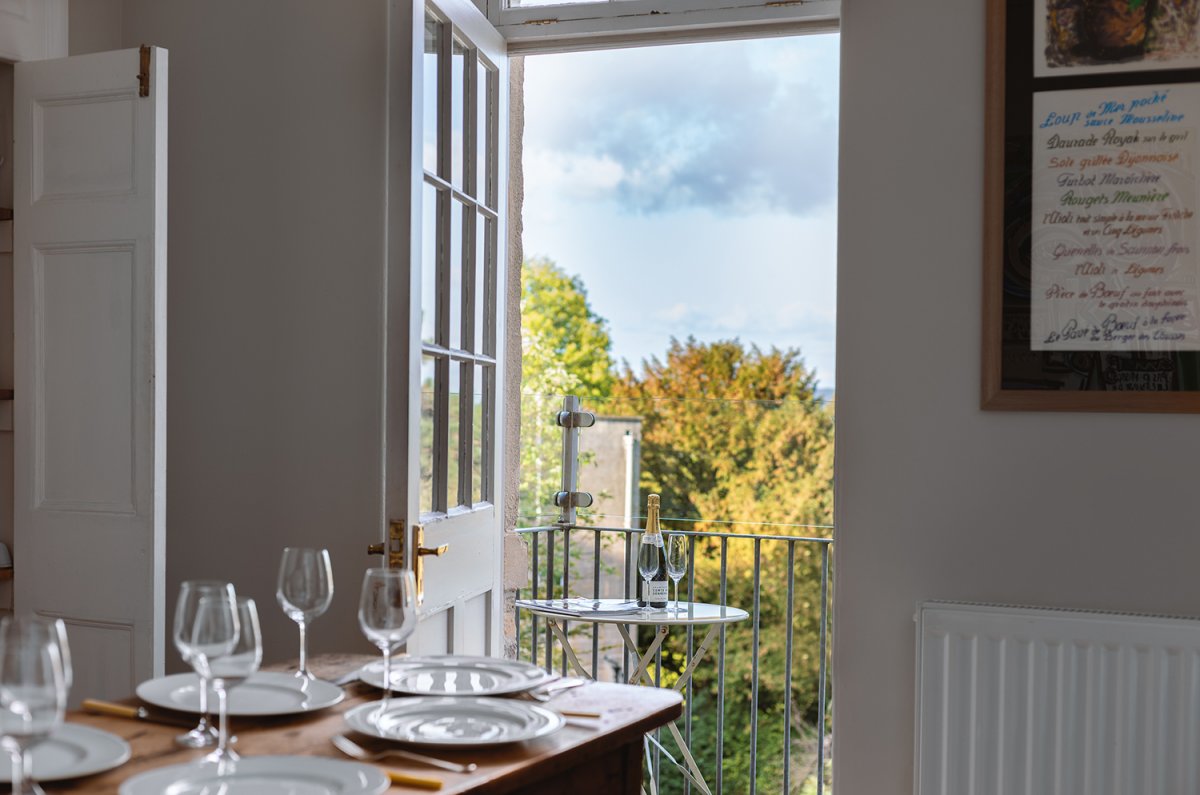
96,707
409,780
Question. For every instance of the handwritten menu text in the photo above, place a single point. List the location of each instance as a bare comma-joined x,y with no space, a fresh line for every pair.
1115,254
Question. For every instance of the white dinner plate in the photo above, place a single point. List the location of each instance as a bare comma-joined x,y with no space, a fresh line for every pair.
452,675
264,693
72,750
262,775
455,722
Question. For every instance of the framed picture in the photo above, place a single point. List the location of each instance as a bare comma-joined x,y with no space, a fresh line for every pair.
1092,206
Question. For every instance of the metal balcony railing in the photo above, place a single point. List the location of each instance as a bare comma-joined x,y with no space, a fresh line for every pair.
601,560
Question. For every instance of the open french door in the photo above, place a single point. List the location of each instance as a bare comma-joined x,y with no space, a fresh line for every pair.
444,360
90,157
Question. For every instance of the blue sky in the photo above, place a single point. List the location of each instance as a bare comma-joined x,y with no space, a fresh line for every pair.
693,188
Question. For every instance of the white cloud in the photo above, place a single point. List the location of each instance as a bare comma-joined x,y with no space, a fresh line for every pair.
571,175
694,195
737,126
677,313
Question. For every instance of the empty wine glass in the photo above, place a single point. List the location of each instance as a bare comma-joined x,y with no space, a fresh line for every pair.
33,690
229,669
387,613
677,562
304,591
190,594
649,559
213,633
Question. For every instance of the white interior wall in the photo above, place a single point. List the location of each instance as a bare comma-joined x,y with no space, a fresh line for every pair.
935,498
95,26
276,219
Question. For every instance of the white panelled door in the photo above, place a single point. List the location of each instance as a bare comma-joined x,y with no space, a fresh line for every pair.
445,360
90,410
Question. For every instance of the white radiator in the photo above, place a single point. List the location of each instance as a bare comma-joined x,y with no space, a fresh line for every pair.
1022,701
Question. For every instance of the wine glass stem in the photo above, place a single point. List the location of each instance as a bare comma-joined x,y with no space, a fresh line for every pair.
387,677
222,719
677,596
303,649
18,770
22,772
205,682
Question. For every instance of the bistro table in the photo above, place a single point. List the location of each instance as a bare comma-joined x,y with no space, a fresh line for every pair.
585,757
685,614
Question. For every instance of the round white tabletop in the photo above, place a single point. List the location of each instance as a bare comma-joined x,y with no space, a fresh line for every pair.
689,613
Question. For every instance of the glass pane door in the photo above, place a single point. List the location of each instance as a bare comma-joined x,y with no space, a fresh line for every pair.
453,360
459,211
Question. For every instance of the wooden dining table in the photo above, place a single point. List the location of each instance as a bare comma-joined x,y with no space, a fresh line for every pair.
585,757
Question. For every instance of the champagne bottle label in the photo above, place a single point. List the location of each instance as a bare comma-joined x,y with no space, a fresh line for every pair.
654,593
658,593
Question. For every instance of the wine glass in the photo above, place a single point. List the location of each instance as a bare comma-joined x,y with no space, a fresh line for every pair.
212,634
304,592
677,561
649,559
33,690
190,594
232,667
387,613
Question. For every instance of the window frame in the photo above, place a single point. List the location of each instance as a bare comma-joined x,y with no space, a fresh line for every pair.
575,26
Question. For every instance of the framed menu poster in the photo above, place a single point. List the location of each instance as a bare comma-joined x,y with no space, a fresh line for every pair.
1092,206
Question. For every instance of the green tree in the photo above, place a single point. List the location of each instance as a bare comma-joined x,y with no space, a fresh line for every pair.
565,350
561,334
732,433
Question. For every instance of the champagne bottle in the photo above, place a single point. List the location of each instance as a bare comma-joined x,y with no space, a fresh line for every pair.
652,563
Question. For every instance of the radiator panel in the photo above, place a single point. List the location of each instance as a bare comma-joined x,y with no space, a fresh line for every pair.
1021,701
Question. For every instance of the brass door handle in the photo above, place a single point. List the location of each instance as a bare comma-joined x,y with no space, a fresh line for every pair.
420,551
375,549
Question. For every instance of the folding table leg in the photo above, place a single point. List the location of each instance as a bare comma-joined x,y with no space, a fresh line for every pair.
566,644
649,765
699,655
642,672
692,770
695,776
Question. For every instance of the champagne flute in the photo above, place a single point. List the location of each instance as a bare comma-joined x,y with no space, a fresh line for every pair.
304,591
190,594
387,613
33,691
230,669
649,558
677,562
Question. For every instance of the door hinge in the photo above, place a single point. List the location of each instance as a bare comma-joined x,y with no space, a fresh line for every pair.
144,75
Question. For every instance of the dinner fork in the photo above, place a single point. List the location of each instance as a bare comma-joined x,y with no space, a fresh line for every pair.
548,692
351,748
